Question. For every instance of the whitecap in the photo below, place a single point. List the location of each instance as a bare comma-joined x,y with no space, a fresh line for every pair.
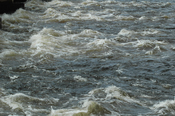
166,107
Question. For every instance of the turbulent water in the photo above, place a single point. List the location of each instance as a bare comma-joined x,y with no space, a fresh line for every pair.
88,57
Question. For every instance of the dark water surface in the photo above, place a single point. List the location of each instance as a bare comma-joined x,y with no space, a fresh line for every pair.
88,58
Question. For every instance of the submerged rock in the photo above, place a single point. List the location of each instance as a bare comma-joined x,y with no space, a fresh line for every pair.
94,109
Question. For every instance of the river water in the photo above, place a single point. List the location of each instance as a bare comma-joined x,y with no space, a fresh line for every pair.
88,58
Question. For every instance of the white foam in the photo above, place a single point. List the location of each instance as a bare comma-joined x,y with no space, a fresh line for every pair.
8,53
65,112
156,49
89,2
143,18
165,107
11,101
112,92
58,44
125,32
35,5
60,3
45,42
14,77
80,79
100,43
20,101
150,32
148,43
50,13
19,16
124,17
89,108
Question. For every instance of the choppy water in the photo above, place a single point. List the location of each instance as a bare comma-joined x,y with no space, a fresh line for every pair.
88,57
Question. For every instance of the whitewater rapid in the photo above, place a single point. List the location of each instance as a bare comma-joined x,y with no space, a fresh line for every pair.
88,58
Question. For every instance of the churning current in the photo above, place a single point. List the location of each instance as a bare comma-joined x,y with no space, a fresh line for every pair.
88,58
